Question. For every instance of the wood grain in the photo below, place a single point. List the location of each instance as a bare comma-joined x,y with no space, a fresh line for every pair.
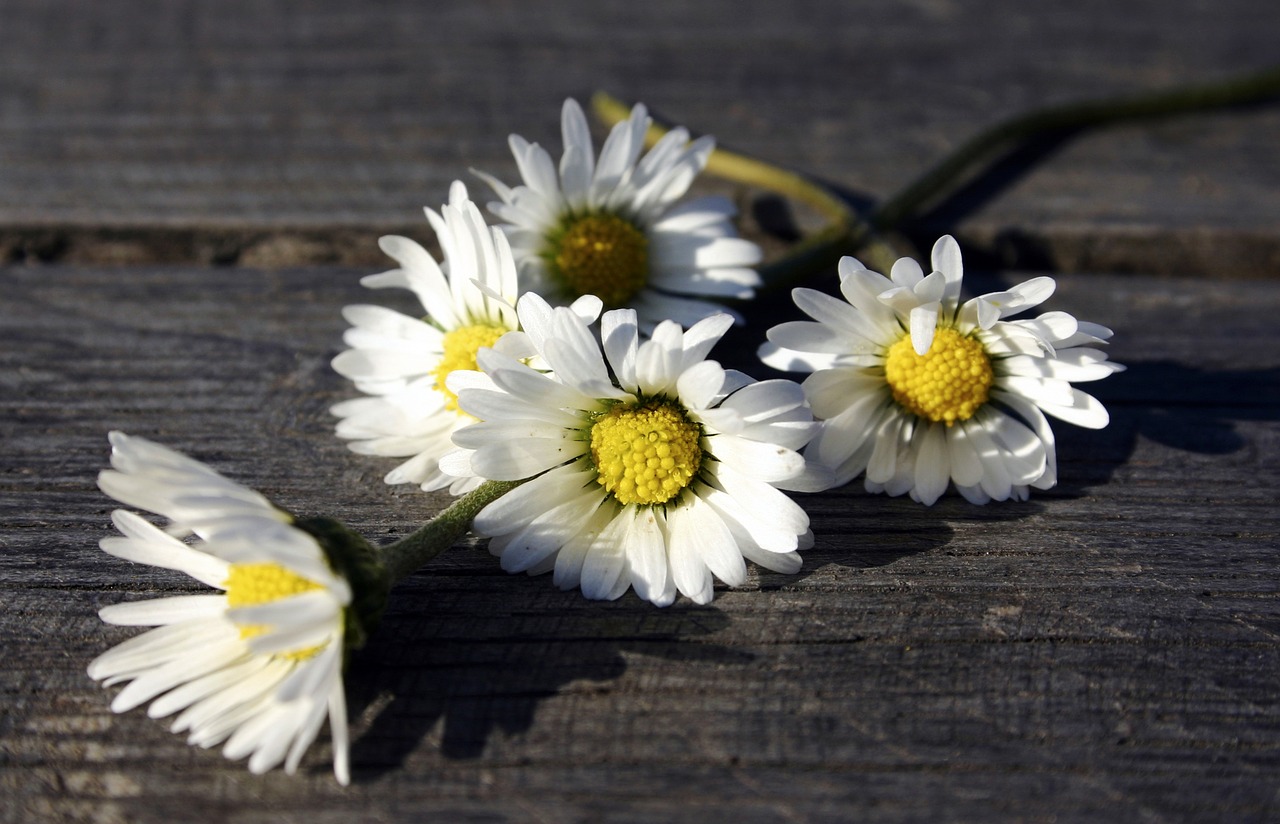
277,134
1106,651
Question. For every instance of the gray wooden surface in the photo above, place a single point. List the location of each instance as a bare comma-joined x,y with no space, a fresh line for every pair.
266,133
1107,651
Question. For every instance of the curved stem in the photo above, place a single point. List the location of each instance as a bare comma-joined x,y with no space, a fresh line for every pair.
406,556
1235,91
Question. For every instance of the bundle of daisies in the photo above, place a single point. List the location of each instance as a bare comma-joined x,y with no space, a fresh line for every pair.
558,379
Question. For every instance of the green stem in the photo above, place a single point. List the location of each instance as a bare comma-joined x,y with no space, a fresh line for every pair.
1236,91
407,555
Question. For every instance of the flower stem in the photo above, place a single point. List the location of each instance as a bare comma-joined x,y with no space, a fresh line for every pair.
847,233
406,556
1071,117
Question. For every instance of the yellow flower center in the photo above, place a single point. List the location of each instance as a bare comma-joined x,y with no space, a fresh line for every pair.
253,584
460,347
603,255
946,384
645,454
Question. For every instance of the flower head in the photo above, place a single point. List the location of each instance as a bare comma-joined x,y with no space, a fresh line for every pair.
657,470
612,227
403,362
257,664
918,390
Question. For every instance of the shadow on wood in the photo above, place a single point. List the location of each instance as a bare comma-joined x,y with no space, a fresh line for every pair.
492,673
1186,408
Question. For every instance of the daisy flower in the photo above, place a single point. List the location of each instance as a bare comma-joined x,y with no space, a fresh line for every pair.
258,664
402,361
656,471
919,391
612,227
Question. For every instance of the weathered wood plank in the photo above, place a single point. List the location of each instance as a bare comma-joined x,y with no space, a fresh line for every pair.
1107,650
278,134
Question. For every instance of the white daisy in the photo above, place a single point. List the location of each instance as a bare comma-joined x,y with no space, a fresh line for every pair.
918,390
402,361
612,227
656,471
257,665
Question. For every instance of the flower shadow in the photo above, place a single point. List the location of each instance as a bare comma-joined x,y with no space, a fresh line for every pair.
859,530
456,667
1184,408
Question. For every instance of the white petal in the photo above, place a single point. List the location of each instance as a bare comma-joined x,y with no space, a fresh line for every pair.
1040,425
764,400
316,606
157,646
946,259
703,336
162,611
658,359
619,152
882,466
789,360
966,468
924,321
996,481
530,385
570,558
145,544
1084,410
767,502
380,364
831,391
698,385
763,461
576,136
852,324
688,570
200,688
619,334
906,272
802,337
517,460
606,557
1024,453
933,467
340,738
535,166
178,671
524,503
489,405
647,556
715,544
478,435
1022,296
786,563
423,276
525,548
759,528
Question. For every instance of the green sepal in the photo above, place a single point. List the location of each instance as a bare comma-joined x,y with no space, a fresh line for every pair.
355,559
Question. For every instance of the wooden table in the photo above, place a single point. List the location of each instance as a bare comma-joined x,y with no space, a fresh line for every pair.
1107,651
